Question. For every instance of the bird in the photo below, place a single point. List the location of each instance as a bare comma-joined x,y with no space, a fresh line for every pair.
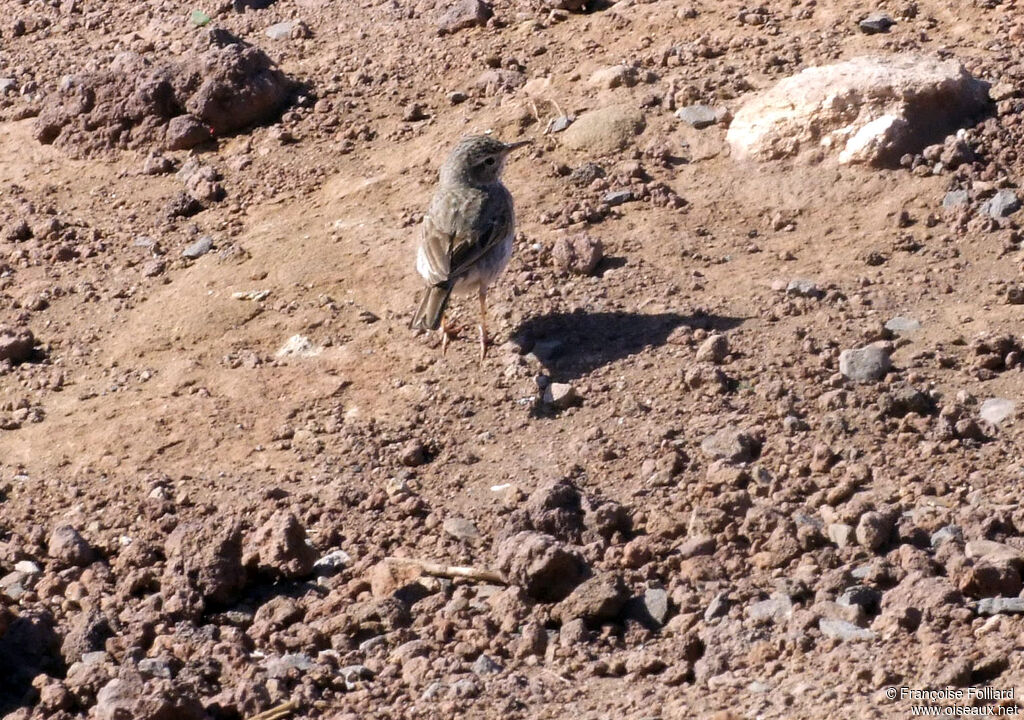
466,237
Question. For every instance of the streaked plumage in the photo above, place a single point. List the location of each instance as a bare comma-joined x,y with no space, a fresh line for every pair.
467,234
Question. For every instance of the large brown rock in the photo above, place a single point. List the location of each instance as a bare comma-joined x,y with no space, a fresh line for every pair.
16,344
205,558
279,548
864,110
545,568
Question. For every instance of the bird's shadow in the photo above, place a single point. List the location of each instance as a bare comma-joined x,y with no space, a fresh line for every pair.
571,345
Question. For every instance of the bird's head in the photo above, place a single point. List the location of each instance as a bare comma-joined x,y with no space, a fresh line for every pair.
478,160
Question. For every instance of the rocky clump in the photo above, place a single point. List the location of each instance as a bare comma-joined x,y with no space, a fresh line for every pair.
865,110
204,563
220,86
16,344
577,254
545,568
279,549
605,130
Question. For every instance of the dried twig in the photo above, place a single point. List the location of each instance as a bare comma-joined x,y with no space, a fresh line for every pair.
277,712
453,571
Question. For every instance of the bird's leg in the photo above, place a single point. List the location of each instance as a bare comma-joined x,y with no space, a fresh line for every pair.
483,323
557,108
445,336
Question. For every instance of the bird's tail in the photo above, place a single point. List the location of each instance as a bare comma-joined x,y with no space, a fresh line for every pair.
432,307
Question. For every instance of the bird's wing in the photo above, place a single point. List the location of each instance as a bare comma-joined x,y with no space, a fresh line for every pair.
493,225
460,229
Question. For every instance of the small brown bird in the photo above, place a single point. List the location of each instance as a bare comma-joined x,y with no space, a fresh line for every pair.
466,237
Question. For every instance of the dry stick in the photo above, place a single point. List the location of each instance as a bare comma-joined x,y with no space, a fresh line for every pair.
453,571
277,712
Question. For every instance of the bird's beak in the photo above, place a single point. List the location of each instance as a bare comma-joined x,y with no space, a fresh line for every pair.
509,147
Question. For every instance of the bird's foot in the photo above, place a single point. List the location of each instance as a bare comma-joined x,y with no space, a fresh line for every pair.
484,343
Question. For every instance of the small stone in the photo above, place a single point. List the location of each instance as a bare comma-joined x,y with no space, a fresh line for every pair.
560,396
876,23
279,667
353,674
156,667
27,566
67,546
615,76
996,410
199,248
596,600
903,325
841,534
873,530
618,197
605,130
946,534
652,608
413,454
955,198
802,287
714,350
1000,605
300,346
332,563
868,364
281,30
718,606
461,529
1003,203
545,568
577,254
413,112
843,630
183,133
862,596
559,124
16,344
279,548
698,116
730,444
462,14
486,665
777,608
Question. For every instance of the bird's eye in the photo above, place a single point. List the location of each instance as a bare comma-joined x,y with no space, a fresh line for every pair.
490,161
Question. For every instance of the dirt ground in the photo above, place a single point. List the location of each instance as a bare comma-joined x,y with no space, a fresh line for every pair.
196,506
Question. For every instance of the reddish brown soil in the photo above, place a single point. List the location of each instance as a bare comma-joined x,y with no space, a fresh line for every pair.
155,417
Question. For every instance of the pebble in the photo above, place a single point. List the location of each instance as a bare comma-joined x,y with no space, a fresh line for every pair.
843,630
945,534
27,566
718,606
714,350
698,116
868,364
68,546
605,130
461,529
618,197
802,287
902,325
730,444
996,410
486,665
1000,605
776,608
559,124
955,198
876,23
1003,203
862,595
841,534
199,248
332,563
352,674
873,530
156,667
278,667
281,30
560,396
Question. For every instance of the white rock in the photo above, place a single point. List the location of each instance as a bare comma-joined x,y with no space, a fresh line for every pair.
865,110
299,345
996,410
